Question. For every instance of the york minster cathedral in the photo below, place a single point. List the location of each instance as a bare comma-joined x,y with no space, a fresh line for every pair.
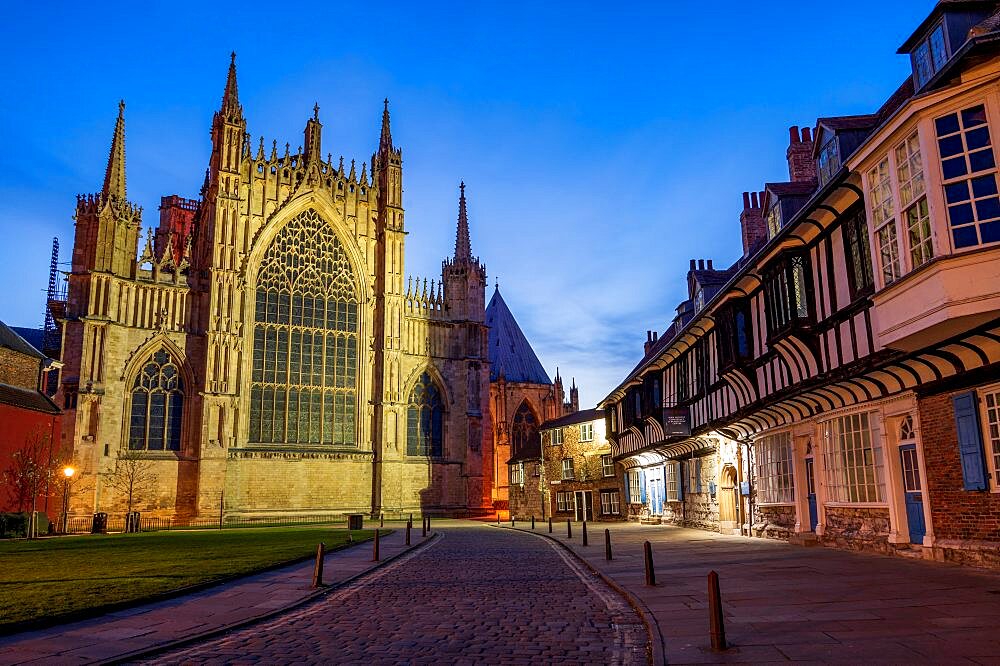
264,351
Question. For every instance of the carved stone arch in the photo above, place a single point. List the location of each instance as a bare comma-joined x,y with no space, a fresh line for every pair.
146,355
426,411
438,378
524,426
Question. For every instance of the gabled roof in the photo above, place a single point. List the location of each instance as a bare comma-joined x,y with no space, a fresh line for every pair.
11,340
510,354
15,396
583,416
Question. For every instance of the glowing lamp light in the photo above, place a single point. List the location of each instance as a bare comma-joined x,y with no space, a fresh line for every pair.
69,472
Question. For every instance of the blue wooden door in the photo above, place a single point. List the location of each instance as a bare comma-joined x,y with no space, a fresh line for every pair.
913,492
811,495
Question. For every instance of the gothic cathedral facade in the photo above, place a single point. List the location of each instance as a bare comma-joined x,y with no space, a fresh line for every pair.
265,353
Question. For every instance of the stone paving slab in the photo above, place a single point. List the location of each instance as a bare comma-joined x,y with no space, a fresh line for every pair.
785,602
152,625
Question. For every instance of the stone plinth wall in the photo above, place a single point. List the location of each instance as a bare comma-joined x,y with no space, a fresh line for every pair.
775,521
857,528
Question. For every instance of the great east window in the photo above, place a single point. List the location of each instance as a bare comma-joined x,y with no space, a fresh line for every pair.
157,405
305,348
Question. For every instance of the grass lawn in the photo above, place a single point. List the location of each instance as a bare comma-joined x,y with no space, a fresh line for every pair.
54,576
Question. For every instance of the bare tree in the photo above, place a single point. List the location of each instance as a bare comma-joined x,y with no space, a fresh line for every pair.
33,469
133,475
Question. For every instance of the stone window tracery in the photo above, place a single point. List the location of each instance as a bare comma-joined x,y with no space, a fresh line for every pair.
157,405
305,350
425,419
525,430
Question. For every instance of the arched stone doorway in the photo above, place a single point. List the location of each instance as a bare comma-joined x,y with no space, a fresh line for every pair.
727,500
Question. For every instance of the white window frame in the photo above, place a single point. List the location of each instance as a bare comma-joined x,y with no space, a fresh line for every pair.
882,214
561,501
969,176
517,474
568,469
672,480
989,418
607,465
914,210
556,436
610,503
854,459
634,489
775,479
586,432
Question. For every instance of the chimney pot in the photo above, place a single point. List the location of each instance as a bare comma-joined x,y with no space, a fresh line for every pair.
746,200
710,265
701,264
793,134
806,134
753,198
692,265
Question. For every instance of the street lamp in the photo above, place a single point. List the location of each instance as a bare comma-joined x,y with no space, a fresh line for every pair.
68,473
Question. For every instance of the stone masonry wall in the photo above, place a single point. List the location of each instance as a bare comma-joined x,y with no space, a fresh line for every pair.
857,528
774,521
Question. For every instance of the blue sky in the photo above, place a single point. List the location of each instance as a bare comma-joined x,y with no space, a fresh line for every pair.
603,145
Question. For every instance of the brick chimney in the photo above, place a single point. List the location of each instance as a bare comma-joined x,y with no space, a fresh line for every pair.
752,222
651,338
801,166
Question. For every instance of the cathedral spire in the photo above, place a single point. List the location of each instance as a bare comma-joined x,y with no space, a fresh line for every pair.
385,141
231,95
114,177
463,246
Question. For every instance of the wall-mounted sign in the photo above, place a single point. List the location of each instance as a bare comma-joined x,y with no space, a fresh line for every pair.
676,421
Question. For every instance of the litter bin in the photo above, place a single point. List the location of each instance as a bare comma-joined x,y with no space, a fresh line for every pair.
355,521
132,522
100,524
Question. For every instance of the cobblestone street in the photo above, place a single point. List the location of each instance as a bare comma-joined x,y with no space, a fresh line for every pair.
478,595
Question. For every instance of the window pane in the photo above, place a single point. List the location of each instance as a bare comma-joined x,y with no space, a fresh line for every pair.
947,124
974,116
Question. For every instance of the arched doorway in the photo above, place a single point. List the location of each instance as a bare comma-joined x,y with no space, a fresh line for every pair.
727,500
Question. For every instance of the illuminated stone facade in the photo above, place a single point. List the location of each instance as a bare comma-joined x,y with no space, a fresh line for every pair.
266,351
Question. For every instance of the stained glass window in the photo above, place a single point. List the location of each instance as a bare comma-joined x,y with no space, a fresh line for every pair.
425,419
525,430
157,406
305,351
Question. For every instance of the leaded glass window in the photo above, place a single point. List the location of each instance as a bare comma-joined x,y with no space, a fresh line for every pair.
305,350
525,430
157,405
425,419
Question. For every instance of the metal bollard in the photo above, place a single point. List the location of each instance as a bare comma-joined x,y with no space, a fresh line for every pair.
318,569
423,526
381,520
428,523
569,528
550,525
498,517
585,533
512,521
375,557
407,534
607,545
532,521
650,574
716,621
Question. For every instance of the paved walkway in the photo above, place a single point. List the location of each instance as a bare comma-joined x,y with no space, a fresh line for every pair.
478,595
785,602
146,627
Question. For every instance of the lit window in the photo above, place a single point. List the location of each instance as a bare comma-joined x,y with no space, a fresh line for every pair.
991,402
673,481
913,202
609,503
970,179
635,480
773,455
517,474
774,220
586,432
853,458
607,466
567,469
883,220
828,162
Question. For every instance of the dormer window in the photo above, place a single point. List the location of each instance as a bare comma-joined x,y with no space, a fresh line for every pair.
930,56
699,300
828,161
774,219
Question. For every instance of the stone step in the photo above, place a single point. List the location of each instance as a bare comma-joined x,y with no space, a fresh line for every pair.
804,539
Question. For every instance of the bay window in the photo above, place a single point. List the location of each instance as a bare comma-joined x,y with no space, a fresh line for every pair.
853,459
773,457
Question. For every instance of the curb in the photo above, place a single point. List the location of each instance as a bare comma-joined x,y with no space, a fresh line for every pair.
658,651
15,628
129,657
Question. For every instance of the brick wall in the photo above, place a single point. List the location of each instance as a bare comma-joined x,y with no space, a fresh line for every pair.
18,369
957,514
